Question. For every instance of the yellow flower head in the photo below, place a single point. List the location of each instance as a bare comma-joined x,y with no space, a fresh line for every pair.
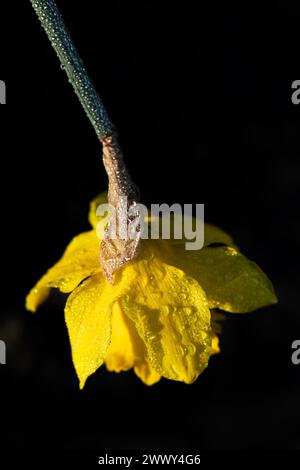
158,316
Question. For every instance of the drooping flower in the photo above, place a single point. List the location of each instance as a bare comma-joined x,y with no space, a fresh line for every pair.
158,317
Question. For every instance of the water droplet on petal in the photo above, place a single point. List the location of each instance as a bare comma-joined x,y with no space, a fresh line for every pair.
192,349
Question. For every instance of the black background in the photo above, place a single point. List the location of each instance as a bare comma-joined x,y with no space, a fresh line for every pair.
201,97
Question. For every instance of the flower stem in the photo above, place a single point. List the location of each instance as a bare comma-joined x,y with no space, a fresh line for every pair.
114,253
71,62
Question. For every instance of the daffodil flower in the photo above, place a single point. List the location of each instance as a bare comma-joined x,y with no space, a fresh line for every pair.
158,316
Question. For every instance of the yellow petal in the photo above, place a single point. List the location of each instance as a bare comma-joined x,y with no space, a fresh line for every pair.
212,234
146,373
215,346
171,315
37,296
93,218
126,347
80,260
88,314
231,281
88,318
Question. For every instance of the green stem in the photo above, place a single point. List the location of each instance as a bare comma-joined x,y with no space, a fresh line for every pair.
114,253
61,41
